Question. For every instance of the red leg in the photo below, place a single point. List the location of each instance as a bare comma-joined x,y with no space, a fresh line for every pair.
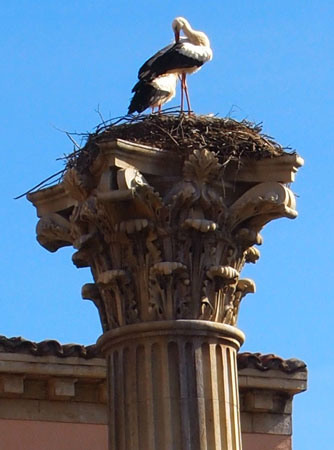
182,90
187,94
159,109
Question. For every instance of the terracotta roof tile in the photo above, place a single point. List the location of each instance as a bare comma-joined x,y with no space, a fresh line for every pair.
246,360
258,361
46,348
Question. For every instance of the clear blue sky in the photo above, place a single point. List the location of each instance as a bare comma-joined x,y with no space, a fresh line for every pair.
273,62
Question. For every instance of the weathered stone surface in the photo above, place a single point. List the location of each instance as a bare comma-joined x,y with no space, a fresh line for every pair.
166,237
62,388
33,401
272,423
12,384
168,378
164,247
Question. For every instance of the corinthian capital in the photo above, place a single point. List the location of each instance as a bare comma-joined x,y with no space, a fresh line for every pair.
166,234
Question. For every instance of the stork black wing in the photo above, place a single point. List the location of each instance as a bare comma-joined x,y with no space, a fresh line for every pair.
166,60
146,67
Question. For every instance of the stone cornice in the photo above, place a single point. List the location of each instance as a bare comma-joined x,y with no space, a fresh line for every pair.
55,386
53,351
154,161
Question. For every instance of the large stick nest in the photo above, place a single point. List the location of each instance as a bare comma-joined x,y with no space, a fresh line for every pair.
229,139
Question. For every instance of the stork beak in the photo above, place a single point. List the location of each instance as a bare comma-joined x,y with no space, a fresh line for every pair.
177,36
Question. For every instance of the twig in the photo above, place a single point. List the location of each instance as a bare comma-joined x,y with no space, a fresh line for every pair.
69,136
168,134
40,184
100,114
73,140
71,155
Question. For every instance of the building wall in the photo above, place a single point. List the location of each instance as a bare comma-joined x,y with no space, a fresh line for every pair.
38,435
48,402
259,441
35,435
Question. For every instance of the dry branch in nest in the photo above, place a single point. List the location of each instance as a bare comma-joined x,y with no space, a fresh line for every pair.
229,139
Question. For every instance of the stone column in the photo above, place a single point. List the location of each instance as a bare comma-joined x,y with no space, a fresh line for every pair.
173,385
166,239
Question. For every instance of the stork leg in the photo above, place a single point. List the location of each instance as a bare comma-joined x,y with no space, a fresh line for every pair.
182,92
186,92
159,109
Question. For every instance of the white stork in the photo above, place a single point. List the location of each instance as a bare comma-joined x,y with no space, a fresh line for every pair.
153,93
183,57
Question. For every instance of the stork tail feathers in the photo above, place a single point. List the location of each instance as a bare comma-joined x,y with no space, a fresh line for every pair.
145,96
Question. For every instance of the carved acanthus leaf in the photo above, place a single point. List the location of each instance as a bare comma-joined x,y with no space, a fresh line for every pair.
111,277
252,254
90,291
202,167
149,201
119,297
153,249
131,226
163,247
77,184
247,237
84,241
229,274
167,268
198,195
202,225
88,245
86,211
244,286
54,232
167,287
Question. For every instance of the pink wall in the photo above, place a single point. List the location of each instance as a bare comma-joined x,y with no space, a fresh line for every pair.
31,435
258,441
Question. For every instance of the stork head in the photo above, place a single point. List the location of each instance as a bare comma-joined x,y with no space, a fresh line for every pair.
178,24
196,37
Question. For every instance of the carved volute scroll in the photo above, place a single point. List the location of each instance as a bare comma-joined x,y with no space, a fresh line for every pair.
161,254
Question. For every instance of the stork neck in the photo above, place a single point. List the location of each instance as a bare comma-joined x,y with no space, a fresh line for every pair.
195,37
187,29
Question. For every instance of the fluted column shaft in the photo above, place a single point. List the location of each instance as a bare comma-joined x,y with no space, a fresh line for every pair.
173,386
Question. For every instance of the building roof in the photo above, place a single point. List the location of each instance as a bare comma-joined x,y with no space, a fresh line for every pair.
48,381
49,347
270,361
